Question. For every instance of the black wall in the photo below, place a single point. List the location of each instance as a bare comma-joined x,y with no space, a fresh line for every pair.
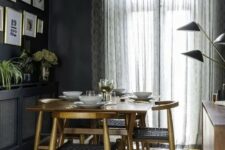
33,44
70,38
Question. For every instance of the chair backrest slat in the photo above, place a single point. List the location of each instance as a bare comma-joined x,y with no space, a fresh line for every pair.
163,105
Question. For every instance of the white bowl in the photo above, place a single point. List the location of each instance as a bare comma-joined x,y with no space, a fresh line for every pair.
119,90
90,100
72,94
142,94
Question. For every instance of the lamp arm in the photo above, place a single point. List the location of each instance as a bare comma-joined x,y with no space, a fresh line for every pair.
217,62
212,43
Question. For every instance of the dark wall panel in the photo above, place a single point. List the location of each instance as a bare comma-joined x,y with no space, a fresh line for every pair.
70,38
41,41
8,123
28,118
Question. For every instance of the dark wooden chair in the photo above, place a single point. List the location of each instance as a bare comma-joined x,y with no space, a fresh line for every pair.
80,115
158,135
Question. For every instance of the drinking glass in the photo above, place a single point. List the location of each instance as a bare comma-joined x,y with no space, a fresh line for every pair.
105,86
90,93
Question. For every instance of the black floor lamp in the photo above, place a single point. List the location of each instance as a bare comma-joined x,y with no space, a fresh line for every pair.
197,54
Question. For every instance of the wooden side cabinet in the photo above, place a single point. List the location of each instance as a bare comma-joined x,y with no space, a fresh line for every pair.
213,126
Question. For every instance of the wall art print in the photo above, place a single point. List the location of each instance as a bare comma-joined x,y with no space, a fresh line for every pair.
13,26
40,4
29,24
40,26
26,1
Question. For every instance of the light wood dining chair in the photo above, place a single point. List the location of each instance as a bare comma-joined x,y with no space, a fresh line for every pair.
157,135
80,115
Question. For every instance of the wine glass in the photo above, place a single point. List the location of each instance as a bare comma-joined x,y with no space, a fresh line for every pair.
105,86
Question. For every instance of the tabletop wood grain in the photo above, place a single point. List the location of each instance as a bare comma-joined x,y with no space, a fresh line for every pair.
63,105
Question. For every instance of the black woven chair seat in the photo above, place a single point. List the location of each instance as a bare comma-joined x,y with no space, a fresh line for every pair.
71,146
151,133
119,123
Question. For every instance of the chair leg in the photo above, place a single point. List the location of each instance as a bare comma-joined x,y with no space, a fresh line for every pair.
38,130
61,131
82,138
170,130
137,145
106,135
52,145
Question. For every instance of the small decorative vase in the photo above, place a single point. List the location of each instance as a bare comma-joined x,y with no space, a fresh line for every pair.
45,72
26,77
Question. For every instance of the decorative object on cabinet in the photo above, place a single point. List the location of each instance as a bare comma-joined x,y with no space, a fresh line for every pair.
47,59
1,18
25,63
40,26
13,26
29,24
9,73
26,1
40,4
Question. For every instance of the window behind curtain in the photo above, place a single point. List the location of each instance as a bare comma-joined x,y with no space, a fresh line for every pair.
143,53
132,44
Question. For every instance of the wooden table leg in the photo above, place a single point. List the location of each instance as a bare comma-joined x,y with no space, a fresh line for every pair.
52,145
130,120
38,130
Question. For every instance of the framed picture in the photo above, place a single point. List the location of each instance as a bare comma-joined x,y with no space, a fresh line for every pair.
40,26
26,1
29,24
40,4
13,26
1,18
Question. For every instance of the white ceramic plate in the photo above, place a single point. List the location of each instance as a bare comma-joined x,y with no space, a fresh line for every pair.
68,98
141,99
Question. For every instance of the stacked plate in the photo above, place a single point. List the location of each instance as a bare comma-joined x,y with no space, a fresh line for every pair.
90,101
71,95
142,96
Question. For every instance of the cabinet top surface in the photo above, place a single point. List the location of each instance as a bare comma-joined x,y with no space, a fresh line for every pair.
216,113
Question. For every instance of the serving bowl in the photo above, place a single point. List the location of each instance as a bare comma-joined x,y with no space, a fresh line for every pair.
90,100
142,94
72,94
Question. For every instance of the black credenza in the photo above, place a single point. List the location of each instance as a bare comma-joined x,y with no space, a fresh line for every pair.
17,125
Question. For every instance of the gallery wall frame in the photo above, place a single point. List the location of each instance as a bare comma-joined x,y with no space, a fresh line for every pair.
40,4
1,18
29,24
13,0
26,1
40,26
13,26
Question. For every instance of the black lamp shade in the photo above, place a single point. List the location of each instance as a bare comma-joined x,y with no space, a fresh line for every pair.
220,39
195,54
193,26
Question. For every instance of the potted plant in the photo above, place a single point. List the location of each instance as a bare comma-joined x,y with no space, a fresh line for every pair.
47,59
25,63
9,73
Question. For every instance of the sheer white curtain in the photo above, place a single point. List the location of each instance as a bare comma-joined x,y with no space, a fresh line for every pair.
181,78
132,44
143,53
